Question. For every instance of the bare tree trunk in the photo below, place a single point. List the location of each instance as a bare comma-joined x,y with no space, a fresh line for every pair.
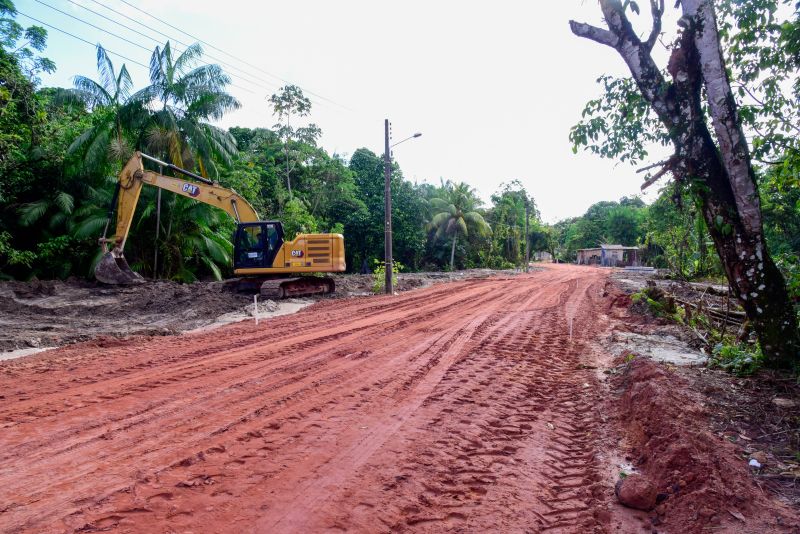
722,177
453,251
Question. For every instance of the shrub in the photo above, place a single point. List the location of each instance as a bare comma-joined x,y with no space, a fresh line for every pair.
379,275
740,360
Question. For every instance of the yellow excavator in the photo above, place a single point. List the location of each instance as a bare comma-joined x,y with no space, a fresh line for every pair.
262,259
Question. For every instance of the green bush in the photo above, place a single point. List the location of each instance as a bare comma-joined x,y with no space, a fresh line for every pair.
740,360
379,275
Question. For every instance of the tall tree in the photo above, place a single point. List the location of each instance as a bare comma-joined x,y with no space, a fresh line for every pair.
455,214
289,101
24,43
116,113
717,168
183,96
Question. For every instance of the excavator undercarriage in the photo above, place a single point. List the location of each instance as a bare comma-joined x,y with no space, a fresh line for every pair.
280,288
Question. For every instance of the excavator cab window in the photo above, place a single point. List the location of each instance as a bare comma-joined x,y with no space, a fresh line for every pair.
256,244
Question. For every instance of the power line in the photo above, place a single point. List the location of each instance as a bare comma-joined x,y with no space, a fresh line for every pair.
114,21
93,45
229,54
132,42
169,37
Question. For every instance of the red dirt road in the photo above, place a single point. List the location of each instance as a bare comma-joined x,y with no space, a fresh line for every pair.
458,407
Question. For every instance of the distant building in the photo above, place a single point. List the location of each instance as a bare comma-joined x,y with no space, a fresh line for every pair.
609,256
542,255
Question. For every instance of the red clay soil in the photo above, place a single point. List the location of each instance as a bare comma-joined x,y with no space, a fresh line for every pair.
705,485
461,407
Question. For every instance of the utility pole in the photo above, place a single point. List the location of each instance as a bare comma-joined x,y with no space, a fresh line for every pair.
158,226
387,193
527,237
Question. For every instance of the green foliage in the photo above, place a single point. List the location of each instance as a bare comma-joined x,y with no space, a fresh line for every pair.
181,98
677,236
23,43
621,222
741,360
454,214
619,124
297,219
11,257
379,275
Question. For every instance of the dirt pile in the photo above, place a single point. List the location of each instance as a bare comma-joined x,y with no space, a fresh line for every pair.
701,482
54,312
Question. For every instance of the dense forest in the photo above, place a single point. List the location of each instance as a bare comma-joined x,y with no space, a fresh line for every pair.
61,149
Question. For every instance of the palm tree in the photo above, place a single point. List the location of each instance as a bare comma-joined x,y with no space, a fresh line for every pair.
110,100
455,214
182,97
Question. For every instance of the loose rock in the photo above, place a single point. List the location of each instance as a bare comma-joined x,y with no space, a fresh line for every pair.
636,491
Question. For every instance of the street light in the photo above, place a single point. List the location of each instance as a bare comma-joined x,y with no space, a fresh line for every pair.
387,194
418,134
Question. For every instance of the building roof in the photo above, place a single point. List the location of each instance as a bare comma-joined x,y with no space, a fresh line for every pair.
609,247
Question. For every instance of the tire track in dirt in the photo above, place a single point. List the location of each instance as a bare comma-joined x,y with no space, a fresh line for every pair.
427,411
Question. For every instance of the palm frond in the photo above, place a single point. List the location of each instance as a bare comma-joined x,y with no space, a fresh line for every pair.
105,68
440,219
124,85
215,270
33,211
92,92
215,251
81,140
58,219
90,226
97,151
188,58
461,225
157,65
64,201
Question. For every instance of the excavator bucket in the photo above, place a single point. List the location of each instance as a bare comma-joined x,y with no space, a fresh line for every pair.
116,271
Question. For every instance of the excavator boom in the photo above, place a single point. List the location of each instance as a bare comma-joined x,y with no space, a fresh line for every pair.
112,267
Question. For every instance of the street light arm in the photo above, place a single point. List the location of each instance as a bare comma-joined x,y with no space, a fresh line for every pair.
418,134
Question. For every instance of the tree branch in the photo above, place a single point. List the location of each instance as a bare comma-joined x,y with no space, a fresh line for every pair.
657,10
669,166
599,35
648,167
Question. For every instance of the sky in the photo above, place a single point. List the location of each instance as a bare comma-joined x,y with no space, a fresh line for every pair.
494,87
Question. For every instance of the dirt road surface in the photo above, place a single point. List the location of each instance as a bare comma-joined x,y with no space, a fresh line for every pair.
464,406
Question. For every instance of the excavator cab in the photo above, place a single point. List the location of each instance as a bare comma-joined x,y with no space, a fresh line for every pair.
255,244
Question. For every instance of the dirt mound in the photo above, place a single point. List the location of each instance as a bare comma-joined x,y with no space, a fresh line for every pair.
54,312
701,481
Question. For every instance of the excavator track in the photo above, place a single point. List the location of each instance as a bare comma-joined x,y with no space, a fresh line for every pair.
279,288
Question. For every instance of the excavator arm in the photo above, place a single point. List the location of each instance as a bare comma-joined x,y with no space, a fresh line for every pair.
112,267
